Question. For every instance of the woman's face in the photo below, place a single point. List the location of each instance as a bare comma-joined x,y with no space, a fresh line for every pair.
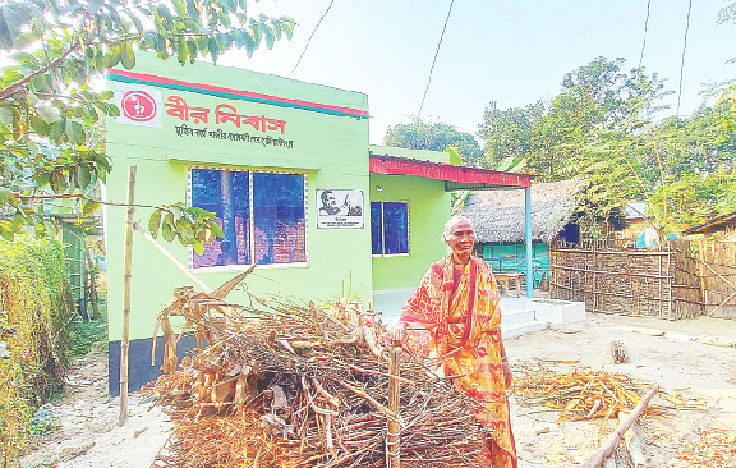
461,240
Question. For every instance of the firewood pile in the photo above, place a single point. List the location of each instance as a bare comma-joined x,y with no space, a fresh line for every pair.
283,385
584,394
714,446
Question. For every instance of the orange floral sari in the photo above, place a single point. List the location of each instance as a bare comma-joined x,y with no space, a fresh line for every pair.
462,331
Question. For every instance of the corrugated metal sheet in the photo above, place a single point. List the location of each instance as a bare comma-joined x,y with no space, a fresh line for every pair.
458,174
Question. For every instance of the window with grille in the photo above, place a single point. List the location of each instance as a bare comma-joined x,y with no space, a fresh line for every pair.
390,228
262,215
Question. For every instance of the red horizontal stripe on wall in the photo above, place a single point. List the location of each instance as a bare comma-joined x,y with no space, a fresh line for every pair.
203,86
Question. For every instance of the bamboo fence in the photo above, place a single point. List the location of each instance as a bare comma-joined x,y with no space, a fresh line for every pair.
612,279
716,263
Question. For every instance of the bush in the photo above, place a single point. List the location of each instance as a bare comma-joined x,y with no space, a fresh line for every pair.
36,317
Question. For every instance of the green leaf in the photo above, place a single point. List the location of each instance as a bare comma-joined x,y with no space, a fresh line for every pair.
42,179
48,113
17,222
89,207
7,116
216,229
192,11
163,12
58,183
57,131
212,46
112,57
83,176
184,229
183,52
127,57
39,126
288,28
202,44
154,222
198,247
4,195
167,232
74,131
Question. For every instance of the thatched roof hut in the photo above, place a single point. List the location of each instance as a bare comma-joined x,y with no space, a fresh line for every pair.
498,216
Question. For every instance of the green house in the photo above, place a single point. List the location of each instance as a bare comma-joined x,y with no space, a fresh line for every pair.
287,167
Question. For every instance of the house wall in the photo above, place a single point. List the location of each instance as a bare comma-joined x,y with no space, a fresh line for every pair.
429,209
332,150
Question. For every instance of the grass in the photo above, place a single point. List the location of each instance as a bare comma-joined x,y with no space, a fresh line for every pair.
86,335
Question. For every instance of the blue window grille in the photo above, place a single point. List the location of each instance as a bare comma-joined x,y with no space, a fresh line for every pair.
278,225
225,193
278,213
390,228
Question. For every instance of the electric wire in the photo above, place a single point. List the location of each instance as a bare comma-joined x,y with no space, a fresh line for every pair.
644,40
682,63
316,26
439,44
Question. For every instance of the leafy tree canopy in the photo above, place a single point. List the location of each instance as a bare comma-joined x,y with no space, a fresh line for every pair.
51,142
434,136
603,127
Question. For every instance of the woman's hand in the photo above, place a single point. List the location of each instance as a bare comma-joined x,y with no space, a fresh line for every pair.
395,337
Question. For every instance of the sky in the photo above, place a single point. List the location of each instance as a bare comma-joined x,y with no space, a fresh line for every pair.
513,52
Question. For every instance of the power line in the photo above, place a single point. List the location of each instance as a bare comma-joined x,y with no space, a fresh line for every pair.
439,44
311,36
682,63
644,40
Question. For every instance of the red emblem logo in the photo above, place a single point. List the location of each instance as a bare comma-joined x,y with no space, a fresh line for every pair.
138,106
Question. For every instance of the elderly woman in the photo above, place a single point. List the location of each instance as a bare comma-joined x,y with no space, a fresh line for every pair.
454,317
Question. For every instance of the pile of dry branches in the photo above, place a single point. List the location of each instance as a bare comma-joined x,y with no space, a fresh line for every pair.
286,385
714,447
581,394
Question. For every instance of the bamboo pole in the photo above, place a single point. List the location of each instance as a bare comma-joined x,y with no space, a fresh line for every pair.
171,258
128,260
599,457
394,386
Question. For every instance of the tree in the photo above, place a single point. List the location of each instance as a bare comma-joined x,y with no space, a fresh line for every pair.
602,127
51,138
434,136
509,133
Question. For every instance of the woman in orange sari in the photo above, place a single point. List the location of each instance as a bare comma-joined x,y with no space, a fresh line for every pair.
454,316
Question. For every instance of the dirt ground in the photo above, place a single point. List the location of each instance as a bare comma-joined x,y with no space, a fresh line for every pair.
696,358
88,433
691,358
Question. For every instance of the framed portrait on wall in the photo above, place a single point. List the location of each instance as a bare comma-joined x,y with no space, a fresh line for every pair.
339,209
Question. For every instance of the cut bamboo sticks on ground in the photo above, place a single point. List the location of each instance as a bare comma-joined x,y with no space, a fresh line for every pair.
610,445
582,394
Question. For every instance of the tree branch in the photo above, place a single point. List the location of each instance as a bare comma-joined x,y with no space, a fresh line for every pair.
15,87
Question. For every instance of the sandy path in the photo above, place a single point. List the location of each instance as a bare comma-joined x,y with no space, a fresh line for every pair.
89,434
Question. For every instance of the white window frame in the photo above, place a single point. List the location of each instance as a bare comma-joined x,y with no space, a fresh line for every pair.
383,230
251,224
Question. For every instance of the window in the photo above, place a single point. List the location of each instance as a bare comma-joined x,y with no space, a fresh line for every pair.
390,228
278,222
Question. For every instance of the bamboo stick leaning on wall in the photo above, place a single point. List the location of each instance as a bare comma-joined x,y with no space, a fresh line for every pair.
173,259
127,272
